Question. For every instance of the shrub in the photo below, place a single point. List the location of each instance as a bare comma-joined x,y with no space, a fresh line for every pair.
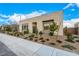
40,33
25,37
47,39
32,35
59,41
8,29
52,44
69,47
42,41
36,40
75,36
30,38
36,37
41,38
18,33
70,38
77,40
26,32
51,33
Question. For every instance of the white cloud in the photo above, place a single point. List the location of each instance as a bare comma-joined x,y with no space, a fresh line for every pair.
68,5
70,23
71,5
77,4
72,9
17,17
2,15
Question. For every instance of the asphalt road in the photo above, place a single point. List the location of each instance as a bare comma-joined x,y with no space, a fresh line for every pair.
5,51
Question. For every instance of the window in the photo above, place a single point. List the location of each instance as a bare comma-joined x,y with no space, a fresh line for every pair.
46,24
24,26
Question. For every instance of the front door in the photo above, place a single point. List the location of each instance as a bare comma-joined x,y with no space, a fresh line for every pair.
34,26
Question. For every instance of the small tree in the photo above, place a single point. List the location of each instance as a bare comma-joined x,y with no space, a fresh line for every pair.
65,30
53,27
70,37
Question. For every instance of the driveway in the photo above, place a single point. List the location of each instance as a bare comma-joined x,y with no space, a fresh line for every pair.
20,47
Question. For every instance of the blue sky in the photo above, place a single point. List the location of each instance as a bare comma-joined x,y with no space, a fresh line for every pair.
9,11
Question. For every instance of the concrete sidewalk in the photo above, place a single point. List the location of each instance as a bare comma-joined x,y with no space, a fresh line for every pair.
5,51
23,47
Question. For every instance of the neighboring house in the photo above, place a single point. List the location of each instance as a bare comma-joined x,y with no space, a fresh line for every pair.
77,28
41,23
14,27
69,30
74,30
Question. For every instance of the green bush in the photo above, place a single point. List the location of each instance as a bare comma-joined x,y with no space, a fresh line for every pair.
18,33
26,32
8,29
70,38
51,33
69,47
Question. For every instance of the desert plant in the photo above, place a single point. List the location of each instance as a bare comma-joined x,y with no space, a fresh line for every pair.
53,27
25,37
18,33
52,44
26,32
69,47
32,35
40,33
8,29
59,41
41,38
77,40
36,40
70,38
51,33
43,41
47,39
65,31
30,38
35,37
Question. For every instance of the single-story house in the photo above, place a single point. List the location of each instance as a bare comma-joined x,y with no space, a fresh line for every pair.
41,23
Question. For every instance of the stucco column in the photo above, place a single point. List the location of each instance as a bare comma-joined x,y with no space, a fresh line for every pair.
39,26
20,27
30,27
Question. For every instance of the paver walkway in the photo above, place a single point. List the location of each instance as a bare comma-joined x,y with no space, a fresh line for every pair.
23,47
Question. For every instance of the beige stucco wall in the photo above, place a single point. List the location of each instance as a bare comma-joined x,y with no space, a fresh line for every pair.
56,16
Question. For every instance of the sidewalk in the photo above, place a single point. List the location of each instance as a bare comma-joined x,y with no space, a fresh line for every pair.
23,47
